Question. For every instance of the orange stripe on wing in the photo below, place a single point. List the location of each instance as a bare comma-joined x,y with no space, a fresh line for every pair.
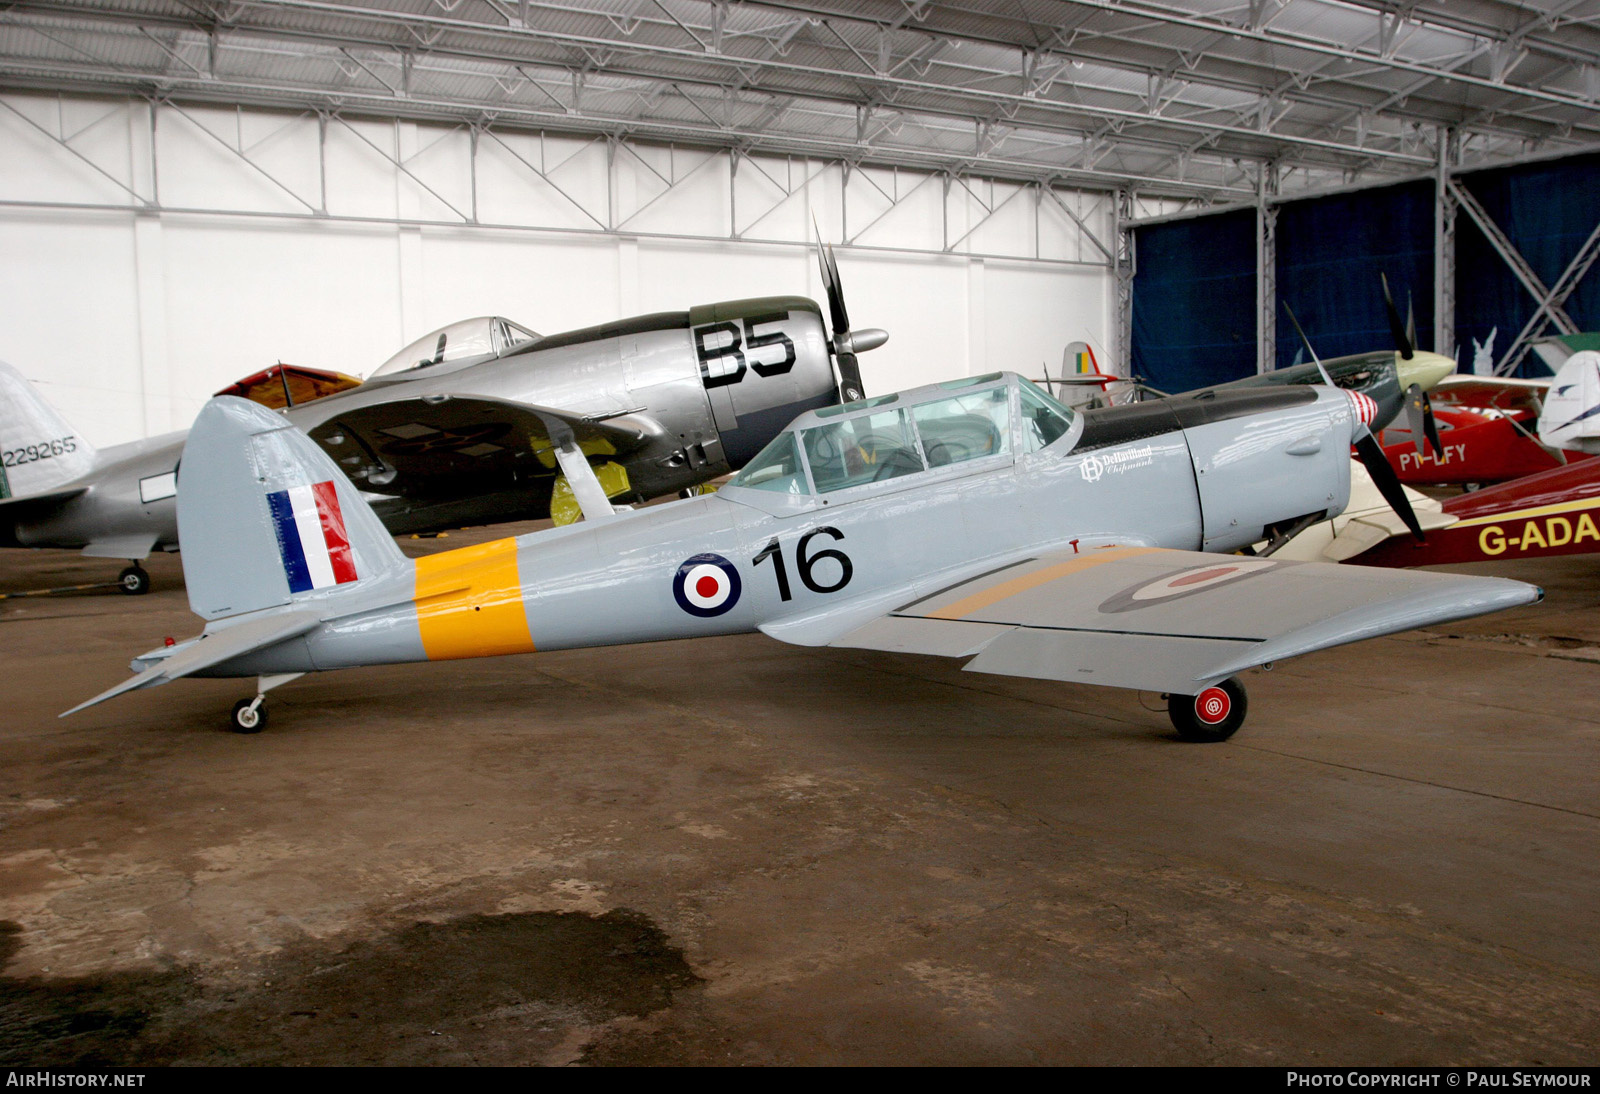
469,602
978,601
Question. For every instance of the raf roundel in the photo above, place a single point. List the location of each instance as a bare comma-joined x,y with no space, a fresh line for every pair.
706,585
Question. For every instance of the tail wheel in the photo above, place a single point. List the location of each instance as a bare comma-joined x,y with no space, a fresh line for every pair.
249,716
134,580
1213,715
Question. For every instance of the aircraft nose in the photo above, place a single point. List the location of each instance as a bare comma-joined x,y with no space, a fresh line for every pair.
1424,369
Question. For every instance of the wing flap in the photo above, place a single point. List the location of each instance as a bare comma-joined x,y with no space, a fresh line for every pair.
939,637
1165,620
211,648
1142,661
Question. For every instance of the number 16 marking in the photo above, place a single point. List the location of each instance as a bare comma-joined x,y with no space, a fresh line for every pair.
805,563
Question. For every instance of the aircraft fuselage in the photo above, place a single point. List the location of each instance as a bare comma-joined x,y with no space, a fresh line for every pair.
1200,475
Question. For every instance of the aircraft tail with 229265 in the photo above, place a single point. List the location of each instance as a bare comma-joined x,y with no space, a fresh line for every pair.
976,519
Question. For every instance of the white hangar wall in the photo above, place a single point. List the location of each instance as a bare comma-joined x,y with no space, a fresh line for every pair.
150,255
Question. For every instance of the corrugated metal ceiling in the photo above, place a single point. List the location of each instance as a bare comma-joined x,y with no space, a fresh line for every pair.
1183,97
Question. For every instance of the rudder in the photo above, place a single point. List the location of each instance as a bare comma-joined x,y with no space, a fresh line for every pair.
267,519
1571,414
39,451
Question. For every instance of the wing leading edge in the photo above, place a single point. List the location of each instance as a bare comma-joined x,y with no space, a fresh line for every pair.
1163,620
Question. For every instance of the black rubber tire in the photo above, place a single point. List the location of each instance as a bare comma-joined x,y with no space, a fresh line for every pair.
1192,725
245,720
134,581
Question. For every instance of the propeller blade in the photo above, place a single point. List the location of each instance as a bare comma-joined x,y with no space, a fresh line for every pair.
830,277
1396,327
1416,416
1430,428
1411,322
1301,331
1388,483
843,343
850,386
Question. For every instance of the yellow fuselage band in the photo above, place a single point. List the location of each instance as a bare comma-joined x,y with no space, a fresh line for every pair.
469,602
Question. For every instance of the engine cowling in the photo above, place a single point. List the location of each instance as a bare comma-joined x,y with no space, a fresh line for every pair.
762,362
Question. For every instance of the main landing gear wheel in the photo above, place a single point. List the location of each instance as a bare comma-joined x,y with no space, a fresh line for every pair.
249,716
1213,715
134,581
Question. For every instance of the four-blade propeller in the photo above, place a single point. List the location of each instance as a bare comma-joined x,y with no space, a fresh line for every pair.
845,343
1419,411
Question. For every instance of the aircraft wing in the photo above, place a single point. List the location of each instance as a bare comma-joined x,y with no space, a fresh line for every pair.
211,648
421,446
289,385
1489,392
1154,619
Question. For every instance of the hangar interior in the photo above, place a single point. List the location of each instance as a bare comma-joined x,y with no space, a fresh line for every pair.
680,852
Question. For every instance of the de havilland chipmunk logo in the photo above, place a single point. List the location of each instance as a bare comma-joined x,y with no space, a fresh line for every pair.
1098,464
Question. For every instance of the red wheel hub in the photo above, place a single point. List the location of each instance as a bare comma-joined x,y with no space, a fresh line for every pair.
1212,706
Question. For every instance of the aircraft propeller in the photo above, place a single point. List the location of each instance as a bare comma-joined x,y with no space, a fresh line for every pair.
845,343
1368,449
1419,410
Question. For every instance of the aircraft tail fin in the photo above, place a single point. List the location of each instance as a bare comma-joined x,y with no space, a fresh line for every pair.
1571,414
41,452
267,519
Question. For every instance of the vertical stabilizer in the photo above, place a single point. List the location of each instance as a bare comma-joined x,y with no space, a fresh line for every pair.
1571,415
267,519
40,450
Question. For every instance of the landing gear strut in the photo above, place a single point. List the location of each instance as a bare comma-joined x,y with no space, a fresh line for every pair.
250,715
134,580
1213,715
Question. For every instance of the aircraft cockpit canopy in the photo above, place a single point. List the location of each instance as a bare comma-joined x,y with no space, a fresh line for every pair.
486,335
875,440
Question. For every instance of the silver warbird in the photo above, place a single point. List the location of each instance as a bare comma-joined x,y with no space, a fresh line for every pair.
478,423
977,519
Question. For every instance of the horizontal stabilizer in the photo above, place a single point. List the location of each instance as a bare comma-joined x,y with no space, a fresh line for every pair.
211,648
47,497
137,545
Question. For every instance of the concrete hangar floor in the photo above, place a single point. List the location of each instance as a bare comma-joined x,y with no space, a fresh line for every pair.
736,851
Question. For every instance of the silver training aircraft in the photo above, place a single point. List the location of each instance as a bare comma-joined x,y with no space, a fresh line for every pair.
480,422
977,519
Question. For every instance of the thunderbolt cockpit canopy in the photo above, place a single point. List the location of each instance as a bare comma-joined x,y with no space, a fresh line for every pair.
485,336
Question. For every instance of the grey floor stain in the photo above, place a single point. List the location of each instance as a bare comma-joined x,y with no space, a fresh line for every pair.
477,989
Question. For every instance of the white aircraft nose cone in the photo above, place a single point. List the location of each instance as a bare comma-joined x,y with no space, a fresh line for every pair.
1424,369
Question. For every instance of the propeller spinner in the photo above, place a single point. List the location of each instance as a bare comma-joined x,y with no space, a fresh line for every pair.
845,343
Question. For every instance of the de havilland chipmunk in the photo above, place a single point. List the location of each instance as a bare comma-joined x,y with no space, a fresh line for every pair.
467,425
976,518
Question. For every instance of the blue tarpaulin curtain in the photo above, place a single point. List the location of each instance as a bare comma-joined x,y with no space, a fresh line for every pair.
1194,319
1330,252
1194,294
1547,210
